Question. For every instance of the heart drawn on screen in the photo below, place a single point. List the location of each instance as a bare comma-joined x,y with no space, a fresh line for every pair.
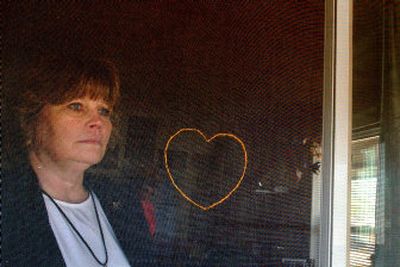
208,140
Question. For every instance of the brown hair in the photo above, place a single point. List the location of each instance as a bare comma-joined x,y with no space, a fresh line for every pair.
59,79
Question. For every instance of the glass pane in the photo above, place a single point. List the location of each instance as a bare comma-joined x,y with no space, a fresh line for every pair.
220,125
375,217
364,185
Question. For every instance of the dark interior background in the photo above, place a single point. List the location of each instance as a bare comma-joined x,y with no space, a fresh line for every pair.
252,68
367,64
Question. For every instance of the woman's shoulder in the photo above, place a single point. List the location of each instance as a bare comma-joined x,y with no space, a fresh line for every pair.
110,186
118,196
24,222
120,202
18,184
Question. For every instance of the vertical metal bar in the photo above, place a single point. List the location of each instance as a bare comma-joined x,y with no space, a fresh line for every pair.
334,243
342,137
328,135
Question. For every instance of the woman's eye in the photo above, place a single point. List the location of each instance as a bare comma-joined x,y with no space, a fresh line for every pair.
105,112
75,106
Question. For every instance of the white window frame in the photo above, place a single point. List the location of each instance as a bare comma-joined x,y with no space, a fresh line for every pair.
337,114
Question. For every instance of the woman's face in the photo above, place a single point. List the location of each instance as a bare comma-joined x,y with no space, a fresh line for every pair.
74,132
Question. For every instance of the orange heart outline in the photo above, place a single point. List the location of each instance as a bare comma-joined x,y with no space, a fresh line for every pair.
205,208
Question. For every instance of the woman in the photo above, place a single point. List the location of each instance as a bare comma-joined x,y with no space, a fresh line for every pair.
52,214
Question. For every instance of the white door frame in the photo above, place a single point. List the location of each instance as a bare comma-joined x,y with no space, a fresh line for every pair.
337,114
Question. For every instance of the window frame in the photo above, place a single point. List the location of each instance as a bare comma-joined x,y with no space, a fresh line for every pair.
337,118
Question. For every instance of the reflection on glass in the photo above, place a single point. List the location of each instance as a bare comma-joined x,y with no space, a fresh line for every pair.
375,193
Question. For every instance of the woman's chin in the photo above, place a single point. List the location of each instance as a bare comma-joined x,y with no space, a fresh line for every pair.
89,159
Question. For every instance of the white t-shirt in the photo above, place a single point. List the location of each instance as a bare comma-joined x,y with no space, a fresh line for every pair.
83,217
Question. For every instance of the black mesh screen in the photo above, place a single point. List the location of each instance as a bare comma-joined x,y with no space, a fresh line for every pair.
245,77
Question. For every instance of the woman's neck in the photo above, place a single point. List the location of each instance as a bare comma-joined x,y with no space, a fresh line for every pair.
61,181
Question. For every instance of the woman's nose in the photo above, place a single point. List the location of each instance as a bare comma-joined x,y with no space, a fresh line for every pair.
95,119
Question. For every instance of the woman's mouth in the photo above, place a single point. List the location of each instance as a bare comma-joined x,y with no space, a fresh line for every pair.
91,141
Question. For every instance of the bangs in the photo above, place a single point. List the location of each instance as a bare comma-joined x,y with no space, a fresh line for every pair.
97,81
94,90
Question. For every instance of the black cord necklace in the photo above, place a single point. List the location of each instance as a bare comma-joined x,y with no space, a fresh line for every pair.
79,234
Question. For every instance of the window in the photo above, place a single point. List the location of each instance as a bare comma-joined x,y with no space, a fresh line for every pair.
365,183
375,183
